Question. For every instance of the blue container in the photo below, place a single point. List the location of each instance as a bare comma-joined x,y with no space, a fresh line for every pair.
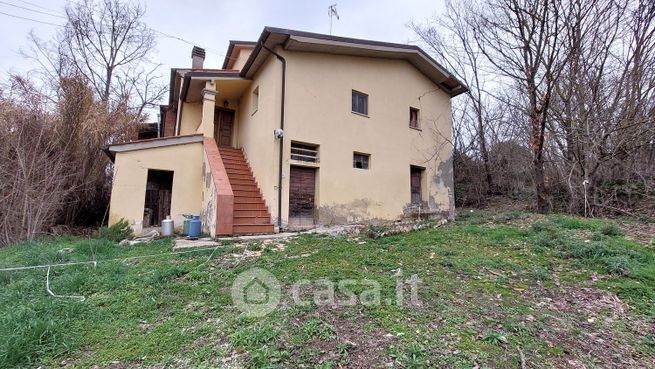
194,227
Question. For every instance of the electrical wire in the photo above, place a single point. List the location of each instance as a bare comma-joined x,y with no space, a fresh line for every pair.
161,33
37,5
32,10
167,35
31,20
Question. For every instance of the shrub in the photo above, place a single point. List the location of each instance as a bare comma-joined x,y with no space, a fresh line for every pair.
618,265
611,229
597,236
548,241
540,274
494,338
544,226
116,232
590,250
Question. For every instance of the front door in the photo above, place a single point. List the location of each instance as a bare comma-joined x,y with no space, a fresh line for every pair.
223,127
302,185
415,184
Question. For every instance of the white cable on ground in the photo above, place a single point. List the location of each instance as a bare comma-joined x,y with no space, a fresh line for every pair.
95,262
47,287
209,258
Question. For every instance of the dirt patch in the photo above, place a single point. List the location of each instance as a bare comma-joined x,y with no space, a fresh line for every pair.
586,324
641,232
354,344
590,301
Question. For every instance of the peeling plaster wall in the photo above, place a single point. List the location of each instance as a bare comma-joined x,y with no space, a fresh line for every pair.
444,179
208,212
318,111
354,211
130,176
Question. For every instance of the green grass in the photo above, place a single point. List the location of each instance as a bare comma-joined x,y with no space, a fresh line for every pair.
491,284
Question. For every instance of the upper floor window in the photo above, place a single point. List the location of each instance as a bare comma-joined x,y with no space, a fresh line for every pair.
361,161
413,117
255,99
360,102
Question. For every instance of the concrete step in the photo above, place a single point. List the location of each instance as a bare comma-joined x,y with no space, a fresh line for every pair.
244,186
248,200
243,190
228,161
252,220
229,149
232,154
246,193
253,228
237,168
238,179
238,171
250,206
251,213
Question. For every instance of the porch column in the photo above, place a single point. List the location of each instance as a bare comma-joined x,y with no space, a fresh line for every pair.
208,106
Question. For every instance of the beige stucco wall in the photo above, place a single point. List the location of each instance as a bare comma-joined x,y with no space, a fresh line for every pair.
191,118
255,129
319,111
244,53
130,176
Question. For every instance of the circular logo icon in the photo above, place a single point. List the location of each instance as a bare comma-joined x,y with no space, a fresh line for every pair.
256,292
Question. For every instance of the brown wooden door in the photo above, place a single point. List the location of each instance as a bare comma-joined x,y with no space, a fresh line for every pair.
415,185
223,127
159,188
302,185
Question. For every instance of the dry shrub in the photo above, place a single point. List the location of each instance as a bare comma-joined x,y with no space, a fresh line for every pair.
52,168
83,127
33,176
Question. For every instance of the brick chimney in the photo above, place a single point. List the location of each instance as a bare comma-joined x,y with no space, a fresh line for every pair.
197,57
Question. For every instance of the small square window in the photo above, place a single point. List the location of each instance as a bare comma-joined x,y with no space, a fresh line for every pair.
413,117
361,161
255,99
360,102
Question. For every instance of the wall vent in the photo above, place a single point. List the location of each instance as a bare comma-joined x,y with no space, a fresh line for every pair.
304,152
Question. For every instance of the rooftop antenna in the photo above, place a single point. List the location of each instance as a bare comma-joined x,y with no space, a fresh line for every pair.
332,12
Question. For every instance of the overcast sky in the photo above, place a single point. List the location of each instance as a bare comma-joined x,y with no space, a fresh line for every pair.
211,24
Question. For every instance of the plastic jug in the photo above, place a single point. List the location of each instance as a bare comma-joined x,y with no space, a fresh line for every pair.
194,227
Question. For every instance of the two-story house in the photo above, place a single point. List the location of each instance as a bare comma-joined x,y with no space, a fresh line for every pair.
297,129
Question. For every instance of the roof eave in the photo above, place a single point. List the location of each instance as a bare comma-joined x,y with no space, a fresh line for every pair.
307,37
230,48
111,150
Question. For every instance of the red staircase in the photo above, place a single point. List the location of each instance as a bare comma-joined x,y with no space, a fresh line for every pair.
251,215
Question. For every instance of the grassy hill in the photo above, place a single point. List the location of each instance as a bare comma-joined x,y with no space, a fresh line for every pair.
496,290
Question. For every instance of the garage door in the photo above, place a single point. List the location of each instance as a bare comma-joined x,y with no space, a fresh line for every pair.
301,196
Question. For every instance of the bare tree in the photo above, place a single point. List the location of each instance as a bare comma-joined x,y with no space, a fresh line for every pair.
108,43
522,40
451,40
573,81
604,107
